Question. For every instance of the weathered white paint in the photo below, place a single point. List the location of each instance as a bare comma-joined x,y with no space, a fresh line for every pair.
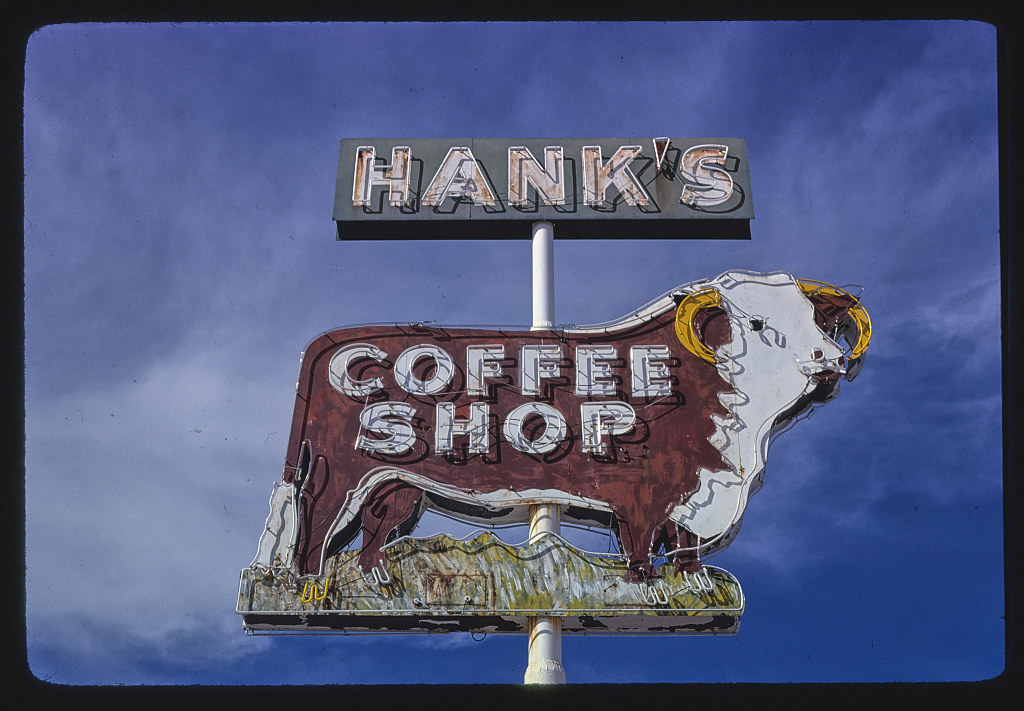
594,374
494,500
391,419
338,375
537,362
598,176
555,430
442,375
482,362
459,176
579,589
649,369
544,665
594,370
769,369
704,166
604,418
524,170
395,177
474,427
277,542
545,652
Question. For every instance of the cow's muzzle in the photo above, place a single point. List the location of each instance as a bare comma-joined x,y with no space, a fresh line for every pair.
822,370
854,327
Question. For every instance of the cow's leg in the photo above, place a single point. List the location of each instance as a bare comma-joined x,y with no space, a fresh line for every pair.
679,546
308,553
637,526
688,559
390,504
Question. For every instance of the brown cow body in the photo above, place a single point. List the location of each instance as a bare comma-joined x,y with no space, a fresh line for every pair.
641,476
668,445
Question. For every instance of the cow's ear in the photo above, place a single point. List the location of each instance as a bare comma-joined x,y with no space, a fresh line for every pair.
695,313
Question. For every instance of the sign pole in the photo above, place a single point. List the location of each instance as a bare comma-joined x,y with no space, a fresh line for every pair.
545,641
543,276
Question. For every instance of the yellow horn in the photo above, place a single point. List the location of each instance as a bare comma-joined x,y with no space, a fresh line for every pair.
688,308
857,311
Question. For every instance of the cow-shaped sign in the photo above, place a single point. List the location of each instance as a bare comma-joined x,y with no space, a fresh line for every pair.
656,424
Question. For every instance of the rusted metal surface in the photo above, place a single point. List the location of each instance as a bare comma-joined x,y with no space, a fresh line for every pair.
636,475
655,425
440,584
394,177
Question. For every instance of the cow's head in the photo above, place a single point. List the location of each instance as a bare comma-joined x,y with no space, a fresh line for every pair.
783,355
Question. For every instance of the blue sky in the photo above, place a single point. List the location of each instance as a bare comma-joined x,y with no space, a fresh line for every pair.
180,254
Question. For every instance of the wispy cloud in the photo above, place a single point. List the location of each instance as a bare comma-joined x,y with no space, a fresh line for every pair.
179,254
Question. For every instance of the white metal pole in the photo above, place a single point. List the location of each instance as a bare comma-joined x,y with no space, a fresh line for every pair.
543,275
545,642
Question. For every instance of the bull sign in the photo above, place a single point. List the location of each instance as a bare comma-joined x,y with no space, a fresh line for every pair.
656,425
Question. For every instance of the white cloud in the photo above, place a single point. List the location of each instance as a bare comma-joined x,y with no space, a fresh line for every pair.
148,497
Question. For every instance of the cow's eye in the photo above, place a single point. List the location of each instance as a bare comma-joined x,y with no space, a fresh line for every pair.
757,323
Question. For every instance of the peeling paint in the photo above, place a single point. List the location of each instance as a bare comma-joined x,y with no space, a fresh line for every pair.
484,584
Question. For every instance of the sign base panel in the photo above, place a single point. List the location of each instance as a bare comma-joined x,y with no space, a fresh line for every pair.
440,584
646,624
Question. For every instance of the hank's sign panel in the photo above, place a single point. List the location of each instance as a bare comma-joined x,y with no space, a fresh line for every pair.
656,424
469,188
